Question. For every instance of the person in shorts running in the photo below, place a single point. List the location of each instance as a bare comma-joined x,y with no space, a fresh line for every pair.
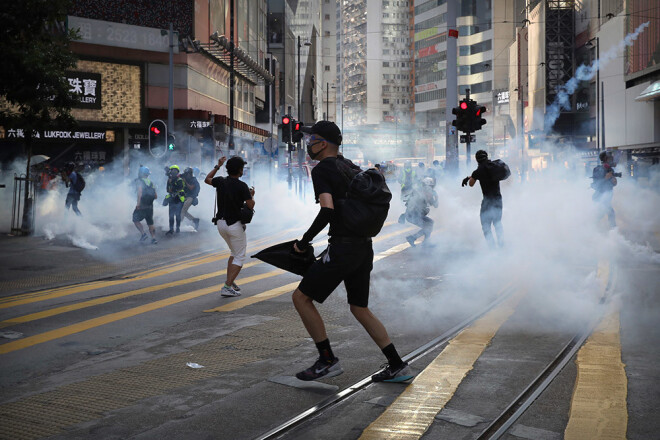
349,258
144,209
231,193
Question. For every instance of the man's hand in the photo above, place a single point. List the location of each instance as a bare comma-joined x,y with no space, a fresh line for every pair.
465,181
297,249
252,191
221,161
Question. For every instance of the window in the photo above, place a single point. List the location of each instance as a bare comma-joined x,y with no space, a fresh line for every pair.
327,68
327,33
327,16
386,101
386,64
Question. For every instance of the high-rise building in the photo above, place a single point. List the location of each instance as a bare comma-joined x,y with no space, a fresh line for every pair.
374,70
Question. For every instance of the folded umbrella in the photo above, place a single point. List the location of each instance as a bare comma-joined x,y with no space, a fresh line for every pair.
285,257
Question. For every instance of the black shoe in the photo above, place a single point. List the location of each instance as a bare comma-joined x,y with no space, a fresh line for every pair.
411,239
389,374
321,369
178,230
144,237
170,232
154,241
196,223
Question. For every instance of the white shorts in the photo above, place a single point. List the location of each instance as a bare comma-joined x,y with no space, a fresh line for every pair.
236,239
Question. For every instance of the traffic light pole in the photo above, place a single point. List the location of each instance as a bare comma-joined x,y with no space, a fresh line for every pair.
451,134
170,95
232,77
468,134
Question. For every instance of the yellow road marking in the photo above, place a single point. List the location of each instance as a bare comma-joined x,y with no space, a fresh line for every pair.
243,302
44,295
110,298
598,407
113,317
410,415
106,319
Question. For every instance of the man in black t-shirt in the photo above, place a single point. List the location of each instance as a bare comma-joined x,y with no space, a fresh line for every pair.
491,205
349,258
231,194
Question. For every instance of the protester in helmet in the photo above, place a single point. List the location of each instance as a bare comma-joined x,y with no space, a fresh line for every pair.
418,207
191,191
175,198
144,208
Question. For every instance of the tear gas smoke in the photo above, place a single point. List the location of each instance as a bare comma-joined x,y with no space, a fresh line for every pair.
586,73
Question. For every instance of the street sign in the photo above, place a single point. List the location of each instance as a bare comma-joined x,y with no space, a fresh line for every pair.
473,138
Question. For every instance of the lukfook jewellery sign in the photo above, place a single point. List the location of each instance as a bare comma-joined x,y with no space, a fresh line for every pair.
86,88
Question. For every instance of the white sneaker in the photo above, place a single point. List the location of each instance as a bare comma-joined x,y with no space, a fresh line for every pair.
228,291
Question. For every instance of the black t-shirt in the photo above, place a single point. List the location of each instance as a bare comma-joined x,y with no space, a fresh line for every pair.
326,179
489,187
231,195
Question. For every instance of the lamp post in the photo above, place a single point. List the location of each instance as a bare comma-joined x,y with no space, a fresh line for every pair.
599,139
327,100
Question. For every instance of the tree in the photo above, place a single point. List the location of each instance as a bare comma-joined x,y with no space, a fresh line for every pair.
34,92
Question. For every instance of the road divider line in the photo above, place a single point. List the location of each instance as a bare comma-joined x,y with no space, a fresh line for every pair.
107,299
113,317
598,407
410,415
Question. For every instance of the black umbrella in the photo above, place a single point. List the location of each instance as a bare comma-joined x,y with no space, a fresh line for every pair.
285,257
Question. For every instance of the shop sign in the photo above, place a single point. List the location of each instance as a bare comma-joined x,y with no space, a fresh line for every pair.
78,135
200,124
85,88
503,97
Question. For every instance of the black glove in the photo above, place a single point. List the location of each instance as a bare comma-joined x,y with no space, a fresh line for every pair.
302,245
465,181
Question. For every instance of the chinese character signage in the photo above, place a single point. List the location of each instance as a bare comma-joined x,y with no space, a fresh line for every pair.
200,124
86,88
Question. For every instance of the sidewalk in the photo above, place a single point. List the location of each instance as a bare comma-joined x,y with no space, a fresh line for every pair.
33,263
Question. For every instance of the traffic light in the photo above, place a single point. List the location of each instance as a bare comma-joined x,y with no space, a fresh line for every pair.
461,113
296,132
171,142
478,120
286,129
157,138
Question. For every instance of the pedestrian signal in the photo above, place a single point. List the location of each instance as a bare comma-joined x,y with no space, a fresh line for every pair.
296,133
157,138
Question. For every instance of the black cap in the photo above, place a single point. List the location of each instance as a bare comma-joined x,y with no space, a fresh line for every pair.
328,130
481,156
234,164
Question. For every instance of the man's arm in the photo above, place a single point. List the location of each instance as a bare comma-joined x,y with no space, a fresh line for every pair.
139,196
472,181
320,222
211,174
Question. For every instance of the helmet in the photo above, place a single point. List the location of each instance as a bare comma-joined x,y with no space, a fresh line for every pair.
195,171
481,156
428,181
143,172
188,170
175,167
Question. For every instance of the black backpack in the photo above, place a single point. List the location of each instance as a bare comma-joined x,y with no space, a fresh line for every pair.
367,202
498,170
80,183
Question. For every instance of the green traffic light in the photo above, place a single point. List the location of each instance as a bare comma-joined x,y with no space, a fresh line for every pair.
171,147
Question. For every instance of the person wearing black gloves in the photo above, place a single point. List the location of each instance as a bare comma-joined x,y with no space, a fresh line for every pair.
349,258
491,204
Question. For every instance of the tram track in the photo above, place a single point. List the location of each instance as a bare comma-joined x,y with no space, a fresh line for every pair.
423,350
507,418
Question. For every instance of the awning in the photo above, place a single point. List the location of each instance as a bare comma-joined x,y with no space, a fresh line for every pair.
651,93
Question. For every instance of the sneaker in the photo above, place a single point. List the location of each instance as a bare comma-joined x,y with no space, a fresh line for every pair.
170,232
228,291
154,241
178,230
196,223
389,374
235,287
411,239
321,369
144,237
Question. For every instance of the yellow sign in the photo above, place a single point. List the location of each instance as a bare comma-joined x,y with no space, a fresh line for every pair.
426,33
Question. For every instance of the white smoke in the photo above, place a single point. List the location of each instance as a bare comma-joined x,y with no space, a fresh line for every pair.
586,73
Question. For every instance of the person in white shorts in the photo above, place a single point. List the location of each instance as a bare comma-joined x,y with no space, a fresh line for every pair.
231,193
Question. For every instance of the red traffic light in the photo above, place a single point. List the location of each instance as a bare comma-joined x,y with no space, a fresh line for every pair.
463,105
155,130
479,112
296,126
286,120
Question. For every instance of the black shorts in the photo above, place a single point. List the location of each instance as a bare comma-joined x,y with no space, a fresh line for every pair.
347,262
144,214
